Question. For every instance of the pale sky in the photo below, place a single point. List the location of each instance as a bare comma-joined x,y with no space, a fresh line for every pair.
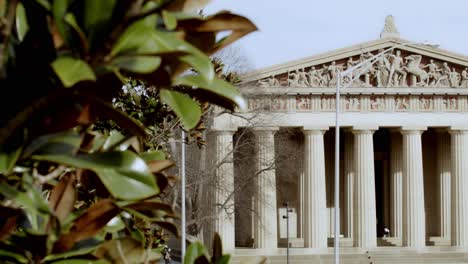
294,29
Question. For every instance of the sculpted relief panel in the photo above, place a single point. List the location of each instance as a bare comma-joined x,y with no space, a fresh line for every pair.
396,69
358,103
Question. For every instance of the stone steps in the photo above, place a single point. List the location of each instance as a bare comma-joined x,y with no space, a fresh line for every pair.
379,257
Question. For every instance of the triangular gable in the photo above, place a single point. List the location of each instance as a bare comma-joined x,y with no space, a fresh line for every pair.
447,69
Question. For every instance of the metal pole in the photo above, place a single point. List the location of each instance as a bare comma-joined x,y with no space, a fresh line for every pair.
337,170
182,180
287,230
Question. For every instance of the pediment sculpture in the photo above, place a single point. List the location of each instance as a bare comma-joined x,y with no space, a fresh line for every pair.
396,69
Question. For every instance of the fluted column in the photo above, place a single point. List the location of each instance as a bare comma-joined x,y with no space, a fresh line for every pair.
365,221
315,235
444,174
223,196
349,182
396,185
265,220
414,221
459,185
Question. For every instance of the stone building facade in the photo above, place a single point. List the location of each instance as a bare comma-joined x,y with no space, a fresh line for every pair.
404,151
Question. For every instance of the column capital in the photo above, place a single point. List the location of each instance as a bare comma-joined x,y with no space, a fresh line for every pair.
458,132
411,132
313,131
264,130
221,132
363,132
413,128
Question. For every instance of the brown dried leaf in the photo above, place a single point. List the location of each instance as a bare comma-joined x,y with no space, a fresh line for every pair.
159,165
88,225
187,5
63,197
11,215
223,21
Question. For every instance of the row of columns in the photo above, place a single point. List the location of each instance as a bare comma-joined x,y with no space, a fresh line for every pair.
407,188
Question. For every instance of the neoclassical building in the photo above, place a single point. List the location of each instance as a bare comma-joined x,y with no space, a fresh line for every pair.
403,151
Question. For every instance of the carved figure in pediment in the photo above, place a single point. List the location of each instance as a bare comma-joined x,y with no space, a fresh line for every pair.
332,71
302,80
268,82
397,76
433,74
293,78
382,70
366,70
454,78
444,79
464,78
413,68
315,78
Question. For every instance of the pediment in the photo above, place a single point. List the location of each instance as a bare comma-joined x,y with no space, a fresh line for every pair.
409,65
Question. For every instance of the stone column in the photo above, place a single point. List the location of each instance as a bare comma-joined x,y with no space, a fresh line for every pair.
348,182
396,185
265,220
223,197
459,185
444,174
314,200
365,220
414,221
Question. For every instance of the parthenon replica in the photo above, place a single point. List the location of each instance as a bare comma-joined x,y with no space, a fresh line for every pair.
404,153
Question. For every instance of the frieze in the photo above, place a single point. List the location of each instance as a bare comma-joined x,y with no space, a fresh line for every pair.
377,103
396,69
356,103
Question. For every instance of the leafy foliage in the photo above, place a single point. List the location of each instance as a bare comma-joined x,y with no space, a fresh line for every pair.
71,191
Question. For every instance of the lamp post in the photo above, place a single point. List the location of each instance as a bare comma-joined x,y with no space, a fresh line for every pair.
288,210
349,72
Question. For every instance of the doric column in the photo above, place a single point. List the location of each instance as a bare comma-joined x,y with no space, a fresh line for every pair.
315,235
414,221
459,185
444,174
348,182
265,220
396,185
222,192
365,221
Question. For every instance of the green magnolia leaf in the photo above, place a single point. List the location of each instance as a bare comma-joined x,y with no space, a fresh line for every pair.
31,199
218,87
59,9
81,261
71,21
67,142
8,159
125,175
195,250
153,155
22,26
97,17
185,107
128,248
69,254
71,71
170,20
138,63
18,257
44,3
114,225
225,259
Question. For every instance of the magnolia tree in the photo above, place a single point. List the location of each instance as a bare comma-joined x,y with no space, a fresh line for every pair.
69,192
